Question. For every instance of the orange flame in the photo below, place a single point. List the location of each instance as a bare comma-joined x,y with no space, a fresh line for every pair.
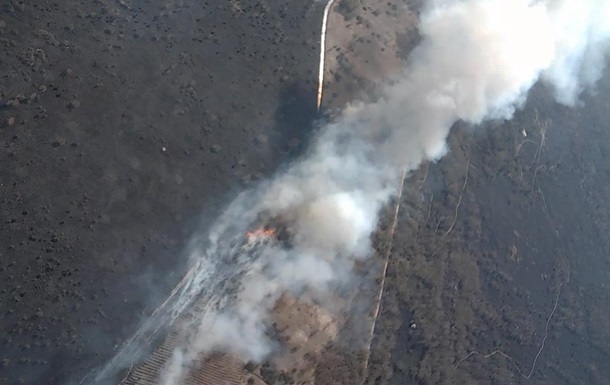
260,233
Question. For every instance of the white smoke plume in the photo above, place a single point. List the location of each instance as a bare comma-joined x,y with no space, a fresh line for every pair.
477,60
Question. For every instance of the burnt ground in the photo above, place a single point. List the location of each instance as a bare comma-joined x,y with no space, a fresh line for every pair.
125,125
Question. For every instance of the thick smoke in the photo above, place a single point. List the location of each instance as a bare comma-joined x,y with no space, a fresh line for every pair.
477,60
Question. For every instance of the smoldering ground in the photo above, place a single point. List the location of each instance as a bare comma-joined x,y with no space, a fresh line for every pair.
477,61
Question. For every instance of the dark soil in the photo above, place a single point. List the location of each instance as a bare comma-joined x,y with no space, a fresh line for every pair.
125,125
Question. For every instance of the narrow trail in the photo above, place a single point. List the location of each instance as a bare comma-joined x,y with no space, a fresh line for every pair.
383,278
561,287
396,209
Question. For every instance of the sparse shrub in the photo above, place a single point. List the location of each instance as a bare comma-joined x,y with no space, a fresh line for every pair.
349,8
269,374
250,366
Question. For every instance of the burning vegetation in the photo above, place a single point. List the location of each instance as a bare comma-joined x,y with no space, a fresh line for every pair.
271,230
260,234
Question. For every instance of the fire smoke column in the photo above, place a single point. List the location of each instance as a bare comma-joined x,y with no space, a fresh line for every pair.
581,30
478,60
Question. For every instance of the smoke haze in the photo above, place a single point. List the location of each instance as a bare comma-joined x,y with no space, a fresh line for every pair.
477,61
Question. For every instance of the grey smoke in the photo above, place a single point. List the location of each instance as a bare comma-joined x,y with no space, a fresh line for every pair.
477,61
